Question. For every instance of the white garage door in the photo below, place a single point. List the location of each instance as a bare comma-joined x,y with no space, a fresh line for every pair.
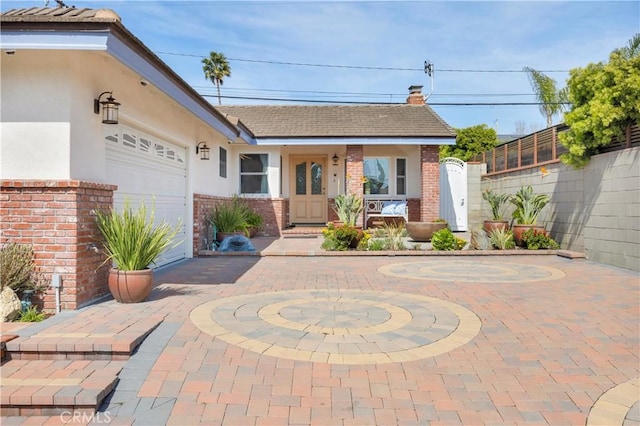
147,168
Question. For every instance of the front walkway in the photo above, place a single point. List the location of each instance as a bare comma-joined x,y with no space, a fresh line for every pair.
376,340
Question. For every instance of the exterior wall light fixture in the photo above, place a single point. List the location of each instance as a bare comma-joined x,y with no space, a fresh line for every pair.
335,159
203,150
109,108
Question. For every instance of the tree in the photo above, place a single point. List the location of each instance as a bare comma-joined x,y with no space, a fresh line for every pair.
471,141
216,68
605,100
550,98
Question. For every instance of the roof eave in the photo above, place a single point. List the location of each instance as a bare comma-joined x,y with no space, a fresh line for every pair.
126,38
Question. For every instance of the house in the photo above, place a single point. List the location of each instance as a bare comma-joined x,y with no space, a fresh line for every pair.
91,117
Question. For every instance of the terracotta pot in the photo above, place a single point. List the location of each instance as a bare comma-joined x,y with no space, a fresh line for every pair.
130,286
490,225
422,231
518,230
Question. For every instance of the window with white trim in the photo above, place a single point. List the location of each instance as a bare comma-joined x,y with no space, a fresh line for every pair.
376,173
385,176
253,173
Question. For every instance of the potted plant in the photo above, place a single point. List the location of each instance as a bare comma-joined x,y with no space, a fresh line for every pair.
254,222
527,209
229,218
498,203
132,242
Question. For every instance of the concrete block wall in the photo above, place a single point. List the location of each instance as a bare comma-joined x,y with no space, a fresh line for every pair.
595,210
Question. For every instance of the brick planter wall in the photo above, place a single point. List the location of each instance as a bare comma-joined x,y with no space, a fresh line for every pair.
274,212
55,218
430,183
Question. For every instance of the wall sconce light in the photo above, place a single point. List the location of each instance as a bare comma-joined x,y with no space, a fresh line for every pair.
203,149
109,108
335,159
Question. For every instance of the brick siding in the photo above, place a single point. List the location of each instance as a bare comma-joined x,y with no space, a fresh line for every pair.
55,217
430,182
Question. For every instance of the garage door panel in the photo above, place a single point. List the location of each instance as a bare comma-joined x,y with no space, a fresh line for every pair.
142,175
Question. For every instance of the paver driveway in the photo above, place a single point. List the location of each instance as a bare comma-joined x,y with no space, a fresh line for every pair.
384,340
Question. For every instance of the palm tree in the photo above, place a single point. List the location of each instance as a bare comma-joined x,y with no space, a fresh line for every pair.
550,98
216,67
632,49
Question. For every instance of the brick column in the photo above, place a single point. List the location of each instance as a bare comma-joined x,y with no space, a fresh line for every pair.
56,219
355,171
430,183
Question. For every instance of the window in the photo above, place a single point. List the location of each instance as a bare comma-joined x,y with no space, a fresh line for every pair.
401,176
223,162
376,171
253,174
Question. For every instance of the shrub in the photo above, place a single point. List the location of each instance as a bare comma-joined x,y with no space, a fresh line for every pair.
338,237
502,238
445,240
394,239
534,239
31,315
18,269
230,216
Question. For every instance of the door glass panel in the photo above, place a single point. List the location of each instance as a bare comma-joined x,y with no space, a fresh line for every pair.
316,179
301,178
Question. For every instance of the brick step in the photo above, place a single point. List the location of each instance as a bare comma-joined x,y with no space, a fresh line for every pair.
53,388
91,342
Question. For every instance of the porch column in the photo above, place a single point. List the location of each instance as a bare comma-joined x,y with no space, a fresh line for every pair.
355,171
429,183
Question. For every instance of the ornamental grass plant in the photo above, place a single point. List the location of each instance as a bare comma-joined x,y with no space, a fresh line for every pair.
131,239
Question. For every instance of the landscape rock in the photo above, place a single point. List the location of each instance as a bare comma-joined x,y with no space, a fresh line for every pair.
10,305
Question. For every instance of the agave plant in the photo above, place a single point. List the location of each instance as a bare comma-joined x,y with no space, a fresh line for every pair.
497,202
528,205
348,207
502,239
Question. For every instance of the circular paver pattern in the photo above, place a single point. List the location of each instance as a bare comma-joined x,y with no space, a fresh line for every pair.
339,326
472,271
617,406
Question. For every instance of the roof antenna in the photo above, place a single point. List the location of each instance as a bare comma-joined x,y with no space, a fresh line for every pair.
430,71
61,3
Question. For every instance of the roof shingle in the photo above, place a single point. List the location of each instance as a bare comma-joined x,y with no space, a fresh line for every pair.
60,14
401,120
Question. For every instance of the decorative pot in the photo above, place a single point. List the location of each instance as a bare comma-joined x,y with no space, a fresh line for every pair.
422,231
518,230
130,286
490,225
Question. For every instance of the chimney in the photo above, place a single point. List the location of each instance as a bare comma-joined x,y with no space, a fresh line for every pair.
415,96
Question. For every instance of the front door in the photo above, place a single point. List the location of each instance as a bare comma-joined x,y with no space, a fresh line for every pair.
308,180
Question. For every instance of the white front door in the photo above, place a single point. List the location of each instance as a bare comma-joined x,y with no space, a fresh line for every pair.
148,169
453,193
308,182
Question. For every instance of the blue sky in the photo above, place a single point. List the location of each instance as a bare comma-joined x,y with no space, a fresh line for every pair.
452,35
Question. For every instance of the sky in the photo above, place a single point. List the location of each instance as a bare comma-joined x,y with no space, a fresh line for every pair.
372,51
